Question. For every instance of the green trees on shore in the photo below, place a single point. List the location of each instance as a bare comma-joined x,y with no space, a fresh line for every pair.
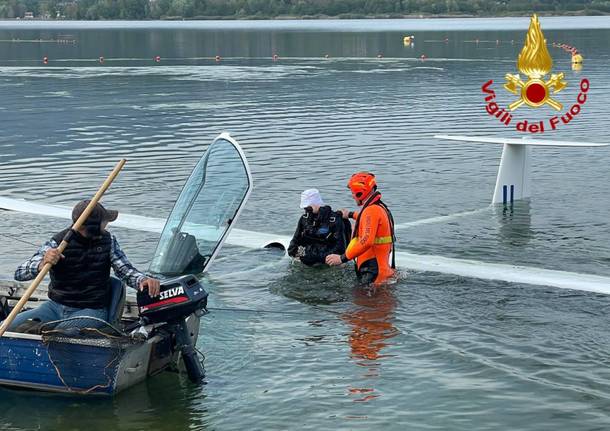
193,9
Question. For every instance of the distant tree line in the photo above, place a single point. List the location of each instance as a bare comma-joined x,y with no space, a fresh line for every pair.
205,9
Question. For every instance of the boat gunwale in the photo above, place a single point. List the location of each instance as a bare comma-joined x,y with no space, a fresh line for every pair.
22,335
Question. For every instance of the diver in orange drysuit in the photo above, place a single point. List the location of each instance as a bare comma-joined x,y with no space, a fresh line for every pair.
374,237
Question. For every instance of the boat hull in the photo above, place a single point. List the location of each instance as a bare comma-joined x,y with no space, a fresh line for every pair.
72,367
80,365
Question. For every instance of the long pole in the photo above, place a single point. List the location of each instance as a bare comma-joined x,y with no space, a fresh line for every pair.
62,246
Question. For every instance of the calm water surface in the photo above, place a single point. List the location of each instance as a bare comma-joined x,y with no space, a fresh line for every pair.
430,352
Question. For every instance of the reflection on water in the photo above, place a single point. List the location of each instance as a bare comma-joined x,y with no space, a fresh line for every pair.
371,328
369,315
515,222
164,399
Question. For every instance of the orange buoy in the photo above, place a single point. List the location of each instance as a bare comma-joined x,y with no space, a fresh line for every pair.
45,60
157,59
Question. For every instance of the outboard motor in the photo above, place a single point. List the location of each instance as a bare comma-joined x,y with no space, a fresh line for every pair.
179,298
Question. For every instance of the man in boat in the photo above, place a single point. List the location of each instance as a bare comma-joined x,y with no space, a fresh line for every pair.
320,231
374,233
80,277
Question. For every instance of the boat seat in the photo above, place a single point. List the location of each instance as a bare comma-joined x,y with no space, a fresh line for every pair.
118,294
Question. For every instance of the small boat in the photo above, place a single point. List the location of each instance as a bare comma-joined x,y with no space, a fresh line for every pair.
142,336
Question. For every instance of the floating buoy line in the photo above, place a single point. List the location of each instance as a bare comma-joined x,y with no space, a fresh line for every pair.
577,58
47,60
408,41
570,50
58,41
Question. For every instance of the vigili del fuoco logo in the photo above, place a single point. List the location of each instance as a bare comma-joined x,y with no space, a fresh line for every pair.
535,90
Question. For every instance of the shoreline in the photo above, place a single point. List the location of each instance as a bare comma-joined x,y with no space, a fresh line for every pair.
322,17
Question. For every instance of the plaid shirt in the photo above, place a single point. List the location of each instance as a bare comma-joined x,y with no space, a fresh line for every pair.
123,269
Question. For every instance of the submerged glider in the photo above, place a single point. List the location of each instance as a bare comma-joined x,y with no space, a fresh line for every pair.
512,184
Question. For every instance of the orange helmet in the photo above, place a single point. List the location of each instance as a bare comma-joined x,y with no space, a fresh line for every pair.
361,184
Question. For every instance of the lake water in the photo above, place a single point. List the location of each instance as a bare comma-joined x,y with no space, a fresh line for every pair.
430,352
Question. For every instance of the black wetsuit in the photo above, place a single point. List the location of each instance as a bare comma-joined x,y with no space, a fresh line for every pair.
320,235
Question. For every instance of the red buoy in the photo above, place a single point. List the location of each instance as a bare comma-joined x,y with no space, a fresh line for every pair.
157,59
45,60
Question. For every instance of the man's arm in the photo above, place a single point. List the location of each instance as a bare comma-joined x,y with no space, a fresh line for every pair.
29,269
128,273
294,242
123,268
370,222
347,214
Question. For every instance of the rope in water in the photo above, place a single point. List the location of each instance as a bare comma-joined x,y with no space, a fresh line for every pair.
251,310
19,239
287,313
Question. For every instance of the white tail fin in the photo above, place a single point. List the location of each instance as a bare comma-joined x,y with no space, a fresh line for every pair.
513,181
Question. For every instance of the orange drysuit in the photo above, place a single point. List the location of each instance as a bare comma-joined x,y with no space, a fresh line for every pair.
372,243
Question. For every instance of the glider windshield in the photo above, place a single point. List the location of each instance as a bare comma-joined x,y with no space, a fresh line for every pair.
205,211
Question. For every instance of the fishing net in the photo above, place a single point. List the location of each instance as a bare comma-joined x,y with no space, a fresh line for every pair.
86,352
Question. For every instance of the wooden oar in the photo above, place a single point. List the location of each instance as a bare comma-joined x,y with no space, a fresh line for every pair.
64,243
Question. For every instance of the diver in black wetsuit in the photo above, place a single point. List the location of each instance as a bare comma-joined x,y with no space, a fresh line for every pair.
320,232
